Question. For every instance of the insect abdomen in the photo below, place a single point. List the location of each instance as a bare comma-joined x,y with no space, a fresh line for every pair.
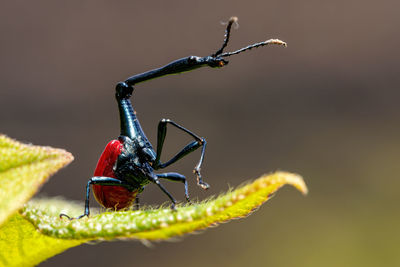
116,197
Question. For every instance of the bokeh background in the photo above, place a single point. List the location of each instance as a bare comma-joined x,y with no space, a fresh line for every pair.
326,107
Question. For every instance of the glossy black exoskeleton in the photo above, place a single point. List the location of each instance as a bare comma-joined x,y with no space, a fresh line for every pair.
129,163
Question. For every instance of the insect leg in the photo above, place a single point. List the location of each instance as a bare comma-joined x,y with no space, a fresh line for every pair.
199,141
154,179
98,180
176,177
137,204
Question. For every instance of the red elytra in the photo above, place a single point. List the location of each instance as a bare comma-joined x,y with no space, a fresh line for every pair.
116,197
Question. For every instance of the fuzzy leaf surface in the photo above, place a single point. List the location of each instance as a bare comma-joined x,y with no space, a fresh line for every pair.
22,245
23,169
161,223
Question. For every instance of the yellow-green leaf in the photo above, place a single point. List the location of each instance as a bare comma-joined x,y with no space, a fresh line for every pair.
37,233
22,245
23,169
157,224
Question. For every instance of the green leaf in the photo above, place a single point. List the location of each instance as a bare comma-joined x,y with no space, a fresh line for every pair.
22,245
156,224
37,233
23,169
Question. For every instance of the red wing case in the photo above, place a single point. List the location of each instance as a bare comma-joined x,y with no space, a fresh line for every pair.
116,197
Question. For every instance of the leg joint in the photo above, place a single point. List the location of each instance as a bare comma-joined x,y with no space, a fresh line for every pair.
123,90
165,120
203,141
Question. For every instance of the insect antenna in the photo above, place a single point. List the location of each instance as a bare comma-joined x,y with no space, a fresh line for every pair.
226,36
268,42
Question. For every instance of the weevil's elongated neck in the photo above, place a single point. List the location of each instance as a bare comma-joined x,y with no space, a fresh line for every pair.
130,125
175,67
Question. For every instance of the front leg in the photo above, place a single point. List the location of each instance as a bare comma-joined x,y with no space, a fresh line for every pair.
192,146
153,178
176,177
97,180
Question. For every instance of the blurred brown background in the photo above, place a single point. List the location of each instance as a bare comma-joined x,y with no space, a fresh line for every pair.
326,107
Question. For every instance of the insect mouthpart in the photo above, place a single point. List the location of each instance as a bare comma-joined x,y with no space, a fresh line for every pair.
216,62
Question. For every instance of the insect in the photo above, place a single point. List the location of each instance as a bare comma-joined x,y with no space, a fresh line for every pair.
129,163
